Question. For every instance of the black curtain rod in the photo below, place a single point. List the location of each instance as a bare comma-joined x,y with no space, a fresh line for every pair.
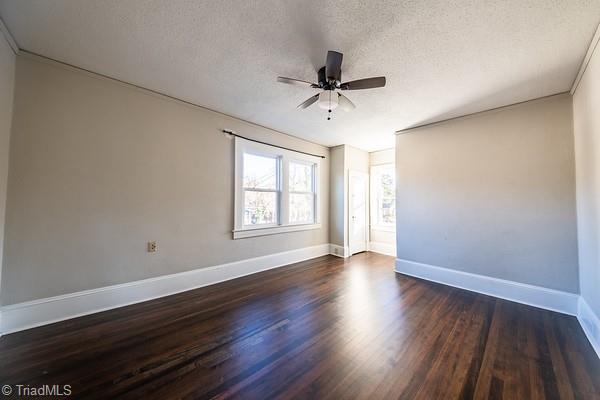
232,133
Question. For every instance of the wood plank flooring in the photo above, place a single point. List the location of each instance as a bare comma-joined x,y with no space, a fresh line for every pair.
326,328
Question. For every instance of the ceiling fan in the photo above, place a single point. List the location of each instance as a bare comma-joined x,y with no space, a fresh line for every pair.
329,80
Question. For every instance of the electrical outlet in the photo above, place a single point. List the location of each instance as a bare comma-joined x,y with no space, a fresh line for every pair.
152,247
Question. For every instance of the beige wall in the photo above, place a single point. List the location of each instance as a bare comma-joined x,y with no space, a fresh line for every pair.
358,160
492,194
344,158
339,196
7,77
99,168
586,121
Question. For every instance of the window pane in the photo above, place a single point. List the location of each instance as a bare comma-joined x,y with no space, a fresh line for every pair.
260,172
302,208
388,211
387,183
384,178
260,208
301,177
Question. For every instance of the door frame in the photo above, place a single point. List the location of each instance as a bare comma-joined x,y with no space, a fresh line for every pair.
352,173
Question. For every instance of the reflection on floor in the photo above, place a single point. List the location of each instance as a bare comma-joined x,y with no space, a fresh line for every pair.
323,328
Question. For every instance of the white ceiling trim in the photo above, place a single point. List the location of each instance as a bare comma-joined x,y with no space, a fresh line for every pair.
442,59
97,75
491,110
63,64
9,38
586,60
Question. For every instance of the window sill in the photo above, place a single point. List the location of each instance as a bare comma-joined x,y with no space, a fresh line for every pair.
246,233
383,228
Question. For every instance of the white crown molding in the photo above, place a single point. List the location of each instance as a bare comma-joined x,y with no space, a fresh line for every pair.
383,248
16,317
537,296
589,323
477,113
9,38
586,60
71,67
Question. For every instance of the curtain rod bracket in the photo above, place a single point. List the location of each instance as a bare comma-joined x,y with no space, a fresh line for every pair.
229,133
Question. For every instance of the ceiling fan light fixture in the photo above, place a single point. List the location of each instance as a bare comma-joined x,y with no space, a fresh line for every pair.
328,100
329,78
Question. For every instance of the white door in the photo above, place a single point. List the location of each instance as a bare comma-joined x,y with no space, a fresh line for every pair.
357,209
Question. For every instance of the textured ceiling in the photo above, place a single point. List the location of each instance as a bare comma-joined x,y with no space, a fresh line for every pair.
441,58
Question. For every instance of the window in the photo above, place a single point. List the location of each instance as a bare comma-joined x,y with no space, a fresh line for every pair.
302,193
275,190
383,193
261,190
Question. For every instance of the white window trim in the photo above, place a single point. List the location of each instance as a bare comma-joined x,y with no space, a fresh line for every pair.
285,156
375,202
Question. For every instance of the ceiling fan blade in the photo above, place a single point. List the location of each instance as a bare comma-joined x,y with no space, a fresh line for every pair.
333,65
368,83
308,102
297,82
345,103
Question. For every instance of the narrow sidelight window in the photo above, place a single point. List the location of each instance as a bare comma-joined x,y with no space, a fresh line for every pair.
383,195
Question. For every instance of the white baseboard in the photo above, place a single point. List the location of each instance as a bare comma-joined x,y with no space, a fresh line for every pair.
589,323
549,299
537,296
16,317
339,251
383,248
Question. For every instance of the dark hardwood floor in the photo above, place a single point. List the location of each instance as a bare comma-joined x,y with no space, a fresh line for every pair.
327,328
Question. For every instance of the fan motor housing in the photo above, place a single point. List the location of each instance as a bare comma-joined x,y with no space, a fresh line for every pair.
324,83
